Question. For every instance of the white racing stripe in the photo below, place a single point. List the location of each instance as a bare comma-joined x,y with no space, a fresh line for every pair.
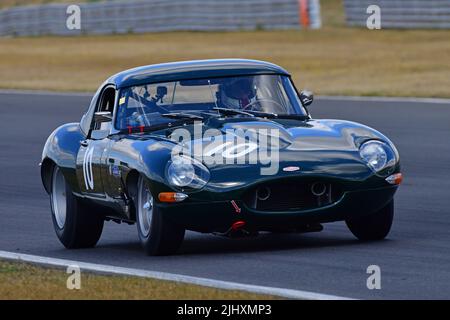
101,268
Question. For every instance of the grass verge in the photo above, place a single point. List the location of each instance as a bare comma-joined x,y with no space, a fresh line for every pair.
14,3
25,281
334,60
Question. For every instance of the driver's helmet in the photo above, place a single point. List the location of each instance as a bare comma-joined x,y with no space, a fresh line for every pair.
237,94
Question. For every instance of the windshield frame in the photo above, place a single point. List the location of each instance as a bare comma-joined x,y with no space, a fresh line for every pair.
286,80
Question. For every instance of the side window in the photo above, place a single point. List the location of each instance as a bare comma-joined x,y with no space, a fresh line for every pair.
106,104
107,100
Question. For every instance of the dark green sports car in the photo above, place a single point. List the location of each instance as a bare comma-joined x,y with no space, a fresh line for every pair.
216,146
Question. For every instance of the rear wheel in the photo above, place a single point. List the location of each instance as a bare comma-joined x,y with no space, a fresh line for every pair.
375,226
158,235
76,226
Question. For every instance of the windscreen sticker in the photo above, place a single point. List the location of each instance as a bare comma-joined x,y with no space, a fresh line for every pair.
121,100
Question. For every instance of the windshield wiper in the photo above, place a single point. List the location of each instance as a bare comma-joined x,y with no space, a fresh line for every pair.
159,126
254,113
181,115
263,114
272,115
227,111
292,116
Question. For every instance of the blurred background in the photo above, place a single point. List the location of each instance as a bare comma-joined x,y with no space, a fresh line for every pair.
325,44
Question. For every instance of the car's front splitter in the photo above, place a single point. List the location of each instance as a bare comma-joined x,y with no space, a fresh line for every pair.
220,215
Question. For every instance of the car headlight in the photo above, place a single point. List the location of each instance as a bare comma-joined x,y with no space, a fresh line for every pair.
184,171
378,155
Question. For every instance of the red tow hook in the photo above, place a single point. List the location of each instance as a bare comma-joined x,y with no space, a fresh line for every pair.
237,225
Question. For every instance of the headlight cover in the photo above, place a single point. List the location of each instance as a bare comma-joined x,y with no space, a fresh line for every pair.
379,156
186,172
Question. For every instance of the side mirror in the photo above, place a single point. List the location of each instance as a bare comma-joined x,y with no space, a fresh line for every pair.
102,116
306,97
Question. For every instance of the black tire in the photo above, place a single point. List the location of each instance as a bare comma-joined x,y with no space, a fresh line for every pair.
82,227
375,226
163,237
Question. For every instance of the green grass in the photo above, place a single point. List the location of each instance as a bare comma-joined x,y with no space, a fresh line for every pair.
25,281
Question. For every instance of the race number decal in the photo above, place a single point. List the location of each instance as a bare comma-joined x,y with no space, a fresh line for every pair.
239,150
87,169
228,150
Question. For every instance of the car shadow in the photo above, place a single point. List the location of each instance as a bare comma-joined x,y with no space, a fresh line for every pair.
264,242
202,244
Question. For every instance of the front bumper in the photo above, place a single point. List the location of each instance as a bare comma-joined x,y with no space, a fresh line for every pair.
220,215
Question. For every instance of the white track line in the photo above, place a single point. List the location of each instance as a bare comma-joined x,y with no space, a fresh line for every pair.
47,93
385,99
101,268
336,98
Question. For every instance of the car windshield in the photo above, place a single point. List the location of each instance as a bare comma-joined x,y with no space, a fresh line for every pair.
154,104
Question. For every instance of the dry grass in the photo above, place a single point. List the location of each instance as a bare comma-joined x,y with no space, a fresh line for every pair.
24,281
333,60
13,3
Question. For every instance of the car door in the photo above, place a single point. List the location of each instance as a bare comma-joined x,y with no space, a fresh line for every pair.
91,157
90,167
117,166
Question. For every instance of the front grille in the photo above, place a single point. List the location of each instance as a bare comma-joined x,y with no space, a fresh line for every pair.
292,195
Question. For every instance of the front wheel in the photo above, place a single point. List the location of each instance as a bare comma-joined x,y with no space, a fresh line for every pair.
75,224
158,235
375,226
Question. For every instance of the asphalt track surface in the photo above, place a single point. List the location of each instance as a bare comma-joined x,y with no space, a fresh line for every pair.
414,260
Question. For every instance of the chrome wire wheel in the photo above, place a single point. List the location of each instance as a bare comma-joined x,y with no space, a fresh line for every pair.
59,200
145,208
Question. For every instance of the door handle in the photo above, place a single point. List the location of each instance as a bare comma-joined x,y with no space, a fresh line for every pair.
84,143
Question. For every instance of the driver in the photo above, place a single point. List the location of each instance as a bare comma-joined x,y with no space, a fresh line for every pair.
237,94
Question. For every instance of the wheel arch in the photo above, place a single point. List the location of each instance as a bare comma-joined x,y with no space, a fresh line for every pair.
47,166
131,190
131,183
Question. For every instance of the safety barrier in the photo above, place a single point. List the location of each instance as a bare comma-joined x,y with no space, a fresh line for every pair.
401,13
160,15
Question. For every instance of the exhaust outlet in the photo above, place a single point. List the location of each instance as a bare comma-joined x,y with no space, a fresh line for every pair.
318,189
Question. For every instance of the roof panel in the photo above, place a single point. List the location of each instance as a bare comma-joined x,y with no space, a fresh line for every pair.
194,69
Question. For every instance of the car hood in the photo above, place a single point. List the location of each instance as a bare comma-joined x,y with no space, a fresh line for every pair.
323,147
